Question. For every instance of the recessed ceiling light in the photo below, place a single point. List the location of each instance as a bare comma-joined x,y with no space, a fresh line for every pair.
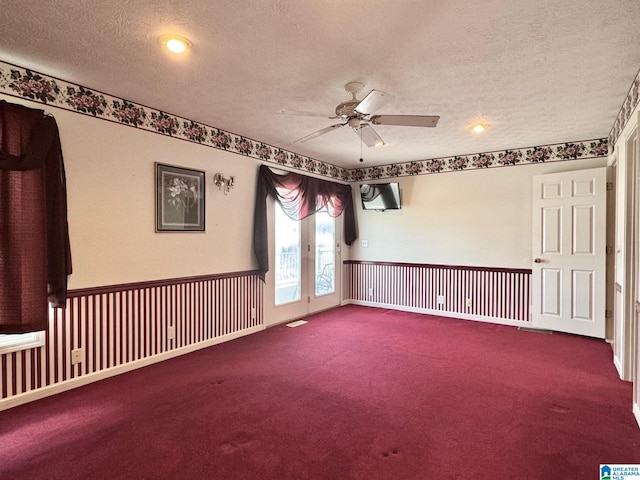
479,128
175,43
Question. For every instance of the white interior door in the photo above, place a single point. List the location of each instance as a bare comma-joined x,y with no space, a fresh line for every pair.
569,250
304,259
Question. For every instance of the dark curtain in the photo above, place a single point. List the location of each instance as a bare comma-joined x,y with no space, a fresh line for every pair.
35,257
299,196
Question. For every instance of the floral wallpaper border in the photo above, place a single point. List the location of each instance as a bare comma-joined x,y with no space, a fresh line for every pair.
25,83
523,156
628,106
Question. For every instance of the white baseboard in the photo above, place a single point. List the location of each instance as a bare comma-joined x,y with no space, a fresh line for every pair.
442,313
618,365
624,376
118,370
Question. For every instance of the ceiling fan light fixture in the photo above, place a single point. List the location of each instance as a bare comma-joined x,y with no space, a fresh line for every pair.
175,43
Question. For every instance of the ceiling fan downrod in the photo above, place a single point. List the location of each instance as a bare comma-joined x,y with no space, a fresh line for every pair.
361,160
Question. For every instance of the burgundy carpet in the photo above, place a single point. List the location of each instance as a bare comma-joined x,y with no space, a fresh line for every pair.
357,393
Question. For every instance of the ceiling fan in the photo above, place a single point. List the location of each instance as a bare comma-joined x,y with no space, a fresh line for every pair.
358,114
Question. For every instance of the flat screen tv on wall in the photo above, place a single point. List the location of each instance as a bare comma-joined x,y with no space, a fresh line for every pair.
380,196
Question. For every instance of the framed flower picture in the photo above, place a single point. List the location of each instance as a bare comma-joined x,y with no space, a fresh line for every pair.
179,199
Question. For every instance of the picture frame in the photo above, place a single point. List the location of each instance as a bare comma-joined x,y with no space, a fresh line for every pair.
180,199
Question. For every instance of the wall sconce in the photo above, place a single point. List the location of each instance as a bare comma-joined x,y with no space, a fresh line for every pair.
224,183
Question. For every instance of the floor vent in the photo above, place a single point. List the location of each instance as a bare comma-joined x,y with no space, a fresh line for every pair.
535,330
297,323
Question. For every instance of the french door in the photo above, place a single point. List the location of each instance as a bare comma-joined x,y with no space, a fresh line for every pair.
304,265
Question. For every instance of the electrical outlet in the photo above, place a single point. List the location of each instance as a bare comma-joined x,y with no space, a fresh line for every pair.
171,332
364,243
440,299
253,313
371,291
468,303
77,356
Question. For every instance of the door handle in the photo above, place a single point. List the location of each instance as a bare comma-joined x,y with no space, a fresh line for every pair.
537,260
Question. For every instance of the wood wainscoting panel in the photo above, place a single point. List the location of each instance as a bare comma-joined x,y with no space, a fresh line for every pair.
133,324
500,295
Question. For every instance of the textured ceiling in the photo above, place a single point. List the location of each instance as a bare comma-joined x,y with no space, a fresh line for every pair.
537,72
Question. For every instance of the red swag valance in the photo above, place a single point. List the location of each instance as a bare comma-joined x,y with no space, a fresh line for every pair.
299,196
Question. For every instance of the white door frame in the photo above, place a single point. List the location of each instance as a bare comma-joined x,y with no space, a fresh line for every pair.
634,332
626,328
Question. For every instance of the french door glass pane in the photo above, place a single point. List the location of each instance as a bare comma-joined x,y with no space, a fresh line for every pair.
325,254
288,254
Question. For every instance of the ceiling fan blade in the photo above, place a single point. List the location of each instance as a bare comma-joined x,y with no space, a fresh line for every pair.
406,120
369,136
319,132
373,102
286,111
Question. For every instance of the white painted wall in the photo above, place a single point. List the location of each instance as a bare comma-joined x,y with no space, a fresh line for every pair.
472,218
111,200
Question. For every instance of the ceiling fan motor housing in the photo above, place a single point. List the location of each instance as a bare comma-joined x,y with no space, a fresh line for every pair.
345,109
354,123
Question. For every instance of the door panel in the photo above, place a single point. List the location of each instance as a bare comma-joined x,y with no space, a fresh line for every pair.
551,234
325,261
583,230
584,188
551,294
288,259
326,246
569,266
582,295
551,189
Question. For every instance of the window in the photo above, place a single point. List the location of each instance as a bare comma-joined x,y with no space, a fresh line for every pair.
22,341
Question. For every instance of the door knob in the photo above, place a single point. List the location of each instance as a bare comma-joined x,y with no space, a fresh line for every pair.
537,260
